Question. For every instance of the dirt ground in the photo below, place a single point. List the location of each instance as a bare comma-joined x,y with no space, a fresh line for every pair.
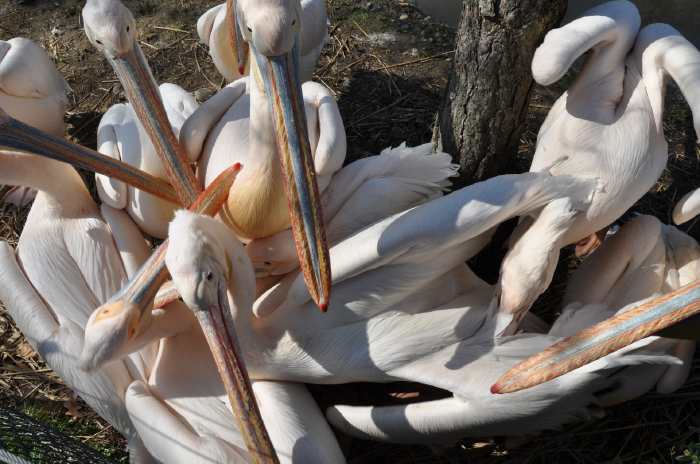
387,65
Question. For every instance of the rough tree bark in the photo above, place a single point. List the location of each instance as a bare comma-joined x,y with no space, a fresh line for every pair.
483,111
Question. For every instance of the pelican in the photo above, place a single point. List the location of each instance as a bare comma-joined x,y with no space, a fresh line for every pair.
71,256
607,125
32,91
110,26
212,28
674,278
121,135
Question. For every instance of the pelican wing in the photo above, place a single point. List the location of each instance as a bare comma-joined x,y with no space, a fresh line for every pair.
474,411
111,191
331,147
195,130
298,430
169,438
59,344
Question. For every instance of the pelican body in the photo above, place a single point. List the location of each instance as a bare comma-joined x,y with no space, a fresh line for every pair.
607,125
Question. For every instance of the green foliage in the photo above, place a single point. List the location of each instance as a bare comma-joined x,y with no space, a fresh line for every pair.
691,454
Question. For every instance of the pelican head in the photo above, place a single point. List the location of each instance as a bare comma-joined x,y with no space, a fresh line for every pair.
122,321
199,269
272,30
525,274
113,329
110,27
28,76
529,266
202,260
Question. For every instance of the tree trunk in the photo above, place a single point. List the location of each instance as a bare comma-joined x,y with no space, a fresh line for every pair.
485,104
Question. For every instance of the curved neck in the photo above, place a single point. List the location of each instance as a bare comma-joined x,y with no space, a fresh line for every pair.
62,186
662,51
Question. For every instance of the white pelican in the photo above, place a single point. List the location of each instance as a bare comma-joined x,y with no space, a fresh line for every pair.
110,27
32,91
660,259
122,136
212,28
607,125
71,257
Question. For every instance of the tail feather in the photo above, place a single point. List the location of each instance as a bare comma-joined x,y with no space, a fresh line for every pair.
410,175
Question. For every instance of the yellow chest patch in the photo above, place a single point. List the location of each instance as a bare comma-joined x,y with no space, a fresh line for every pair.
257,206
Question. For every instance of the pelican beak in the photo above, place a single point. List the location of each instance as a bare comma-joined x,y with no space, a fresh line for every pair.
235,38
119,321
281,79
142,92
601,339
214,315
17,136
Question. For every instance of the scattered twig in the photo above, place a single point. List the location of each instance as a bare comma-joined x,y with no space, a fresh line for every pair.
174,29
417,61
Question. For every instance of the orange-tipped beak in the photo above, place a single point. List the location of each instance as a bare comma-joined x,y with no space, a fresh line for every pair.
602,339
280,77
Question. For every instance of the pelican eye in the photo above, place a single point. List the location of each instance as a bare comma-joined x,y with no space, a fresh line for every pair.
98,42
209,276
250,29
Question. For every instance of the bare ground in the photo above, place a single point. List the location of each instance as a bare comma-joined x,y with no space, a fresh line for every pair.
388,74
